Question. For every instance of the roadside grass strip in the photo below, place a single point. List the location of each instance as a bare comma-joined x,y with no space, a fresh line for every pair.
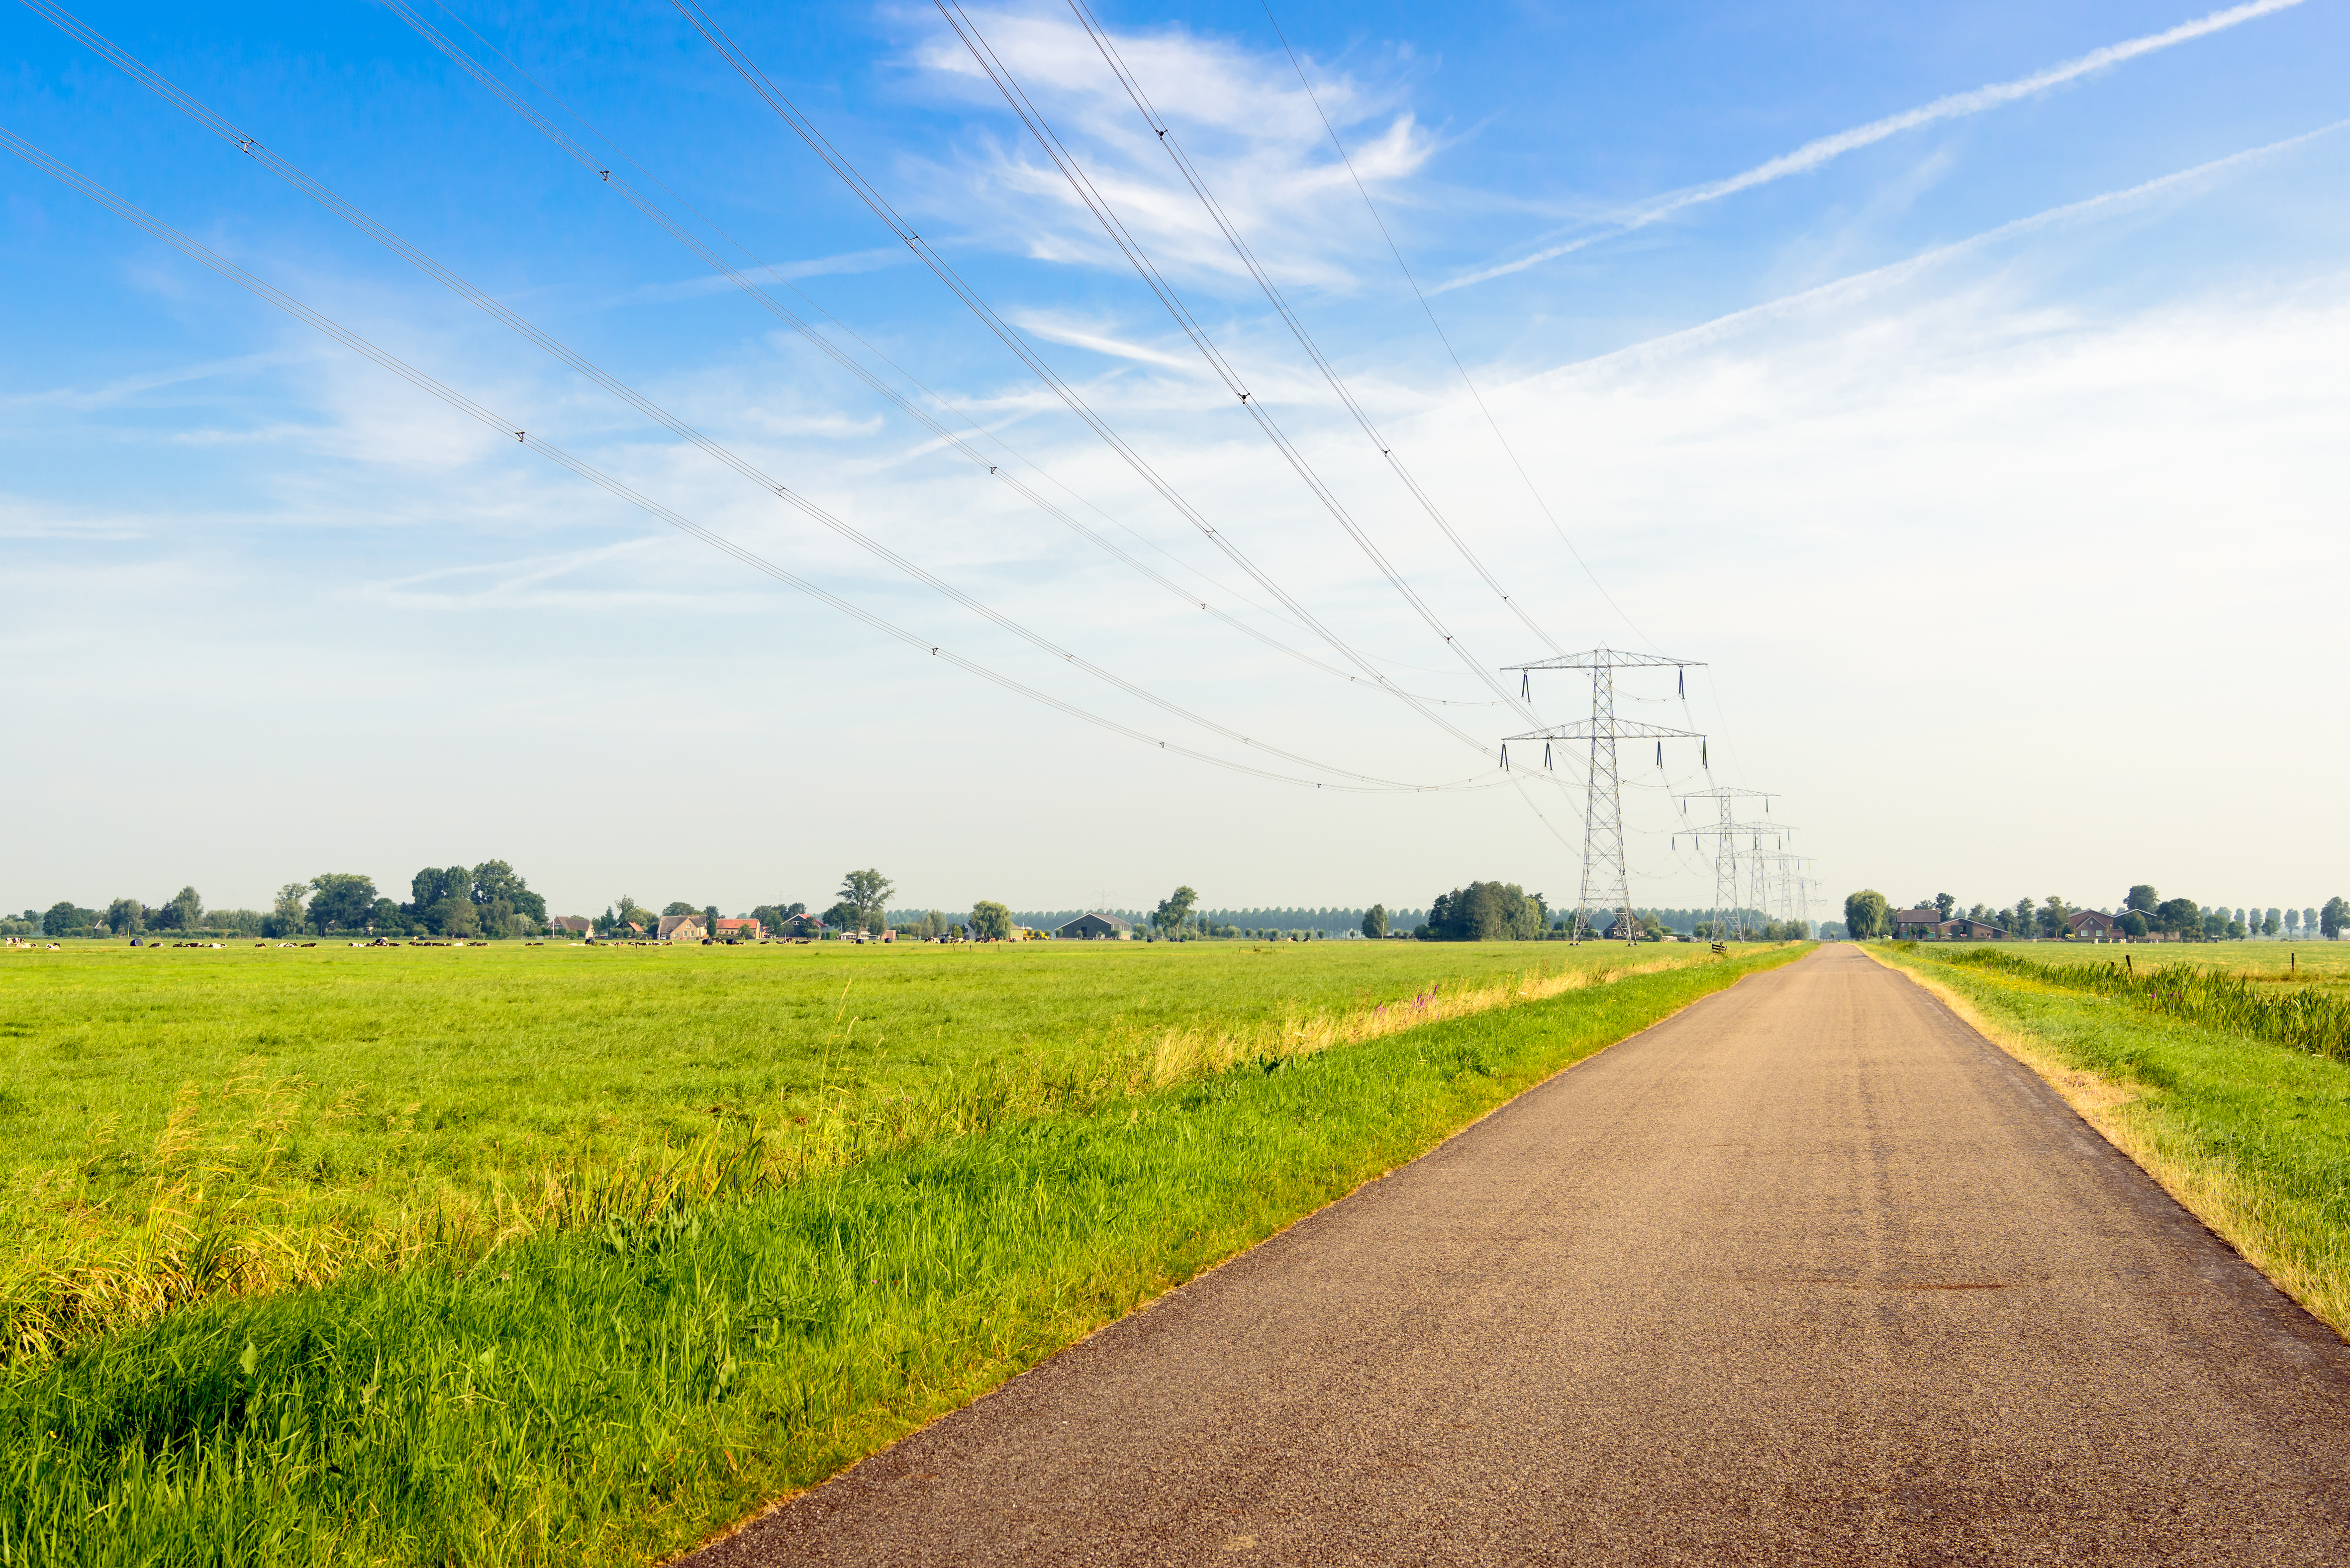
614,1395
2233,1093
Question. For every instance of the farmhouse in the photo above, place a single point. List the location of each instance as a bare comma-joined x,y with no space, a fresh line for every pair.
2095,925
680,929
745,930
578,925
1096,927
1966,930
1915,923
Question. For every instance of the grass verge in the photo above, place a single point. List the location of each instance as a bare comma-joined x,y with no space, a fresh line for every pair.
612,1397
2251,1135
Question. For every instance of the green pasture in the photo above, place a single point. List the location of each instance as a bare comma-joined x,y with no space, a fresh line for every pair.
612,1390
178,1121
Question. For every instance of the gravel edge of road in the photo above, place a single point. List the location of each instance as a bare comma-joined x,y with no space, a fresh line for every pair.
2207,1189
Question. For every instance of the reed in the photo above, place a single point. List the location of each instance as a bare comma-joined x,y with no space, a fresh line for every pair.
2310,1016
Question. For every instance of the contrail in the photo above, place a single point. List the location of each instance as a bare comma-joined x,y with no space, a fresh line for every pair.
1812,154
1895,272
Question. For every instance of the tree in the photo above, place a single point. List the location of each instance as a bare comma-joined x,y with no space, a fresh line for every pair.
2052,916
2333,917
2179,917
187,909
1173,910
2022,919
2308,920
494,882
2143,898
440,899
1486,912
386,920
2133,924
288,918
124,916
990,921
2292,922
1944,905
1867,914
64,919
1374,920
344,900
842,916
678,907
866,892
2271,926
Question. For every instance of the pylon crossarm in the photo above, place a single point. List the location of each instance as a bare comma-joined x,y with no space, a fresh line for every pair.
1608,730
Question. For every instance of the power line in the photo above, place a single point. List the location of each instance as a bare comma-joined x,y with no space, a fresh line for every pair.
801,126
196,110
1166,139
1123,238
1442,337
326,324
628,192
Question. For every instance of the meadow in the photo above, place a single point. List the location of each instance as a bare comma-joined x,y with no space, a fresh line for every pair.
896,1204
2223,1069
182,1121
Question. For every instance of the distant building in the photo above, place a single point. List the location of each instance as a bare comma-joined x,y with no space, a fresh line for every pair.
2095,925
1096,927
578,925
1915,923
800,926
680,929
1966,930
740,929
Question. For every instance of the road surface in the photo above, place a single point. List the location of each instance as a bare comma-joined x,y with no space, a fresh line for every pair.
1810,1273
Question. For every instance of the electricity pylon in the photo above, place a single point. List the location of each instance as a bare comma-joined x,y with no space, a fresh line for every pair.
1604,871
1726,854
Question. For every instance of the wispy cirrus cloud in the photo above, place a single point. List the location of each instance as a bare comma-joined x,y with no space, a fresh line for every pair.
1822,149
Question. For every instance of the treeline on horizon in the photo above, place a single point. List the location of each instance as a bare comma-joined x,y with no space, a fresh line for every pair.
485,900
2143,913
492,900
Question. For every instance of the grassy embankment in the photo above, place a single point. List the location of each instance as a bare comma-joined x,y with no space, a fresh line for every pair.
2224,1071
184,1122
608,1395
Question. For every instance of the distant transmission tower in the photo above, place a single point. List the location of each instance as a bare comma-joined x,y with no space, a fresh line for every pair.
1603,872
1727,856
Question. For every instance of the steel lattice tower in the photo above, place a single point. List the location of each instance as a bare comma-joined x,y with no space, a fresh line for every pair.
1604,870
1727,856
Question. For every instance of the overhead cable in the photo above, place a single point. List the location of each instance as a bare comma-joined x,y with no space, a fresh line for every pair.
953,440
789,113
269,293
1124,239
1165,134
554,348
1442,337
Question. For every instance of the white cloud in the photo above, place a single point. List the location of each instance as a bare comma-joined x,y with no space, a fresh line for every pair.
1241,117
1822,149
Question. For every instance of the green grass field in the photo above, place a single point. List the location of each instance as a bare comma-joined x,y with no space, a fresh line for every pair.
2236,1097
179,1121
1009,1150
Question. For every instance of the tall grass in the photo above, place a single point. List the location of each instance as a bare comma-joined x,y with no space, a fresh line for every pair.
607,1395
380,1110
2304,1017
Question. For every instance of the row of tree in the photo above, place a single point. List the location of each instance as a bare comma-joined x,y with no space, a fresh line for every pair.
2144,912
485,900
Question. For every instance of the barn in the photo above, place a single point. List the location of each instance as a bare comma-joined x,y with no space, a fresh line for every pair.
1096,927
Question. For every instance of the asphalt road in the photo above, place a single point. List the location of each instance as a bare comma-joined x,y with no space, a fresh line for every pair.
1809,1273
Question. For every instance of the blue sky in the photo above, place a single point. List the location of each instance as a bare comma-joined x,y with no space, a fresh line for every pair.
1989,456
